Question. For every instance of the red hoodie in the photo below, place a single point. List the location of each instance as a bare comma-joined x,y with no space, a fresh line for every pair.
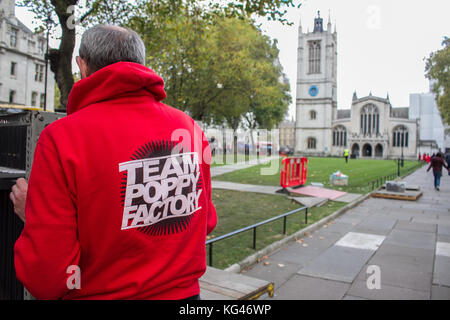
120,190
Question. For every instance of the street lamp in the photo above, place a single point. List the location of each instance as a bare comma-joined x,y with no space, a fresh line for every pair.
48,21
403,142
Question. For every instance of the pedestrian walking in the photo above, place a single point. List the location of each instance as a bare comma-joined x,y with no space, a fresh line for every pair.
346,155
437,163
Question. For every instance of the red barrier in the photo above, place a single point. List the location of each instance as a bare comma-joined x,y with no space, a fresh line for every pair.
293,172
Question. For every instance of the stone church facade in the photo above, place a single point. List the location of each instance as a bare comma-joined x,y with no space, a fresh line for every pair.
22,63
370,128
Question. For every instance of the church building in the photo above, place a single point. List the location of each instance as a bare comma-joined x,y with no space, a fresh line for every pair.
370,128
22,63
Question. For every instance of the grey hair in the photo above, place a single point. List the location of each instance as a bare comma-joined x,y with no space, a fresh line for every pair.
103,45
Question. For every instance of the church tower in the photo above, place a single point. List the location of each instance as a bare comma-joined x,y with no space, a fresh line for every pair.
316,102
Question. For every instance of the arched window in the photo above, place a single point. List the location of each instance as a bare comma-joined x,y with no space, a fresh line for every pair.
312,115
370,120
340,136
311,143
314,56
400,137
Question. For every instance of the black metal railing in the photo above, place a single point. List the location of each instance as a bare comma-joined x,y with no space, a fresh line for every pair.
378,182
375,184
253,227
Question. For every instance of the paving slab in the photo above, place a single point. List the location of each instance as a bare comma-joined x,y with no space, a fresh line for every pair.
377,223
353,219
405,211
245,187
305,249
318,192
338,227
310,201
386,292
443,249
443,238
273,270
427,208
441,274
440,293
411,239
296,254
349,197
416,226
308,288
431,221
337,263
404,258
362,241
399,277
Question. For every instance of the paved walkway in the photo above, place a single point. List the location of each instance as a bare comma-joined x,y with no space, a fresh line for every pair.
406,242
216,171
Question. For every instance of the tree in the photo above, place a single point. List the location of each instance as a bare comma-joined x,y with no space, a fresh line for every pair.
205,57
61,13
438,68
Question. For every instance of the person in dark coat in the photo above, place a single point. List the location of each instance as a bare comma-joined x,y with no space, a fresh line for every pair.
447,159
437,162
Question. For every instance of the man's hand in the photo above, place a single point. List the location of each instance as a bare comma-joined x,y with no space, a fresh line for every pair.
18,197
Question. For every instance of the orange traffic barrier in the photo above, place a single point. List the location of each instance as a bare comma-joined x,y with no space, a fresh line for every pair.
293,172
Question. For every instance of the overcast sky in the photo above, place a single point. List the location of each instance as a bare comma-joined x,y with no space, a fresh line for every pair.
381,43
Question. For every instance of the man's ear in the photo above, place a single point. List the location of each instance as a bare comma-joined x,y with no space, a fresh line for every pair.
83,67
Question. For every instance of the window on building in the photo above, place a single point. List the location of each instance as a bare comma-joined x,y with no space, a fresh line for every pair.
312,115
370,120
13,68
311,143
13,37
12,96
39,72
41,46
34,96
340,136
400,137
314,56
42,102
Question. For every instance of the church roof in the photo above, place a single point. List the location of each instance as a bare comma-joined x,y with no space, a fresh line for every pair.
369,97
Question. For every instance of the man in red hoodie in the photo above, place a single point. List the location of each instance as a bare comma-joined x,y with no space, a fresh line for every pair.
118,204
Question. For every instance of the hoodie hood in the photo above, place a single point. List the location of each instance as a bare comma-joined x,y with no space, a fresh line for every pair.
113,81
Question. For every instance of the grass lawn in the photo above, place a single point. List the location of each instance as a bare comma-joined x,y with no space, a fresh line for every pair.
359,171
237,210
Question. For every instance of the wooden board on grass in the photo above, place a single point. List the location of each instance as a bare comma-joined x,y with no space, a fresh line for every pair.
408,187
218,284
407,195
